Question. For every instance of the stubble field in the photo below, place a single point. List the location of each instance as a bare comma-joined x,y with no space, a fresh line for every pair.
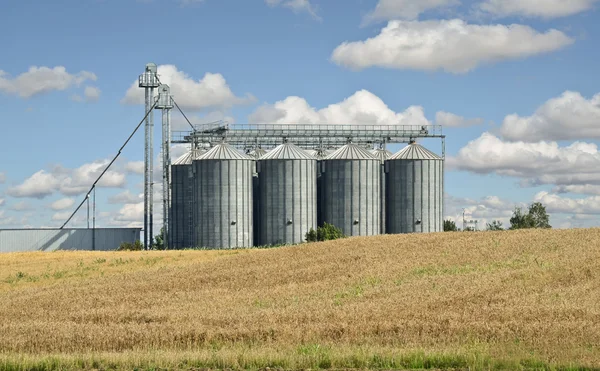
489,300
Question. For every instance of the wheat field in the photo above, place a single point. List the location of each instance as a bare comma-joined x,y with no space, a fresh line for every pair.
482,300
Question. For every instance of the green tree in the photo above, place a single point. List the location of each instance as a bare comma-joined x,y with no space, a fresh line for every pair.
311,236
450,226
159,240
536,217
324,233
495,225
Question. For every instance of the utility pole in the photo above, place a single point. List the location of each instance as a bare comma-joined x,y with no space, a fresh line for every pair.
165,103
148,81
463,220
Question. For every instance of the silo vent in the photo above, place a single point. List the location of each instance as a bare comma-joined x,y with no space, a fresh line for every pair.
233,222
289,221
355,221
418,222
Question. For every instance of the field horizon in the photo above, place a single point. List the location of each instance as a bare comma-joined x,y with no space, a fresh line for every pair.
525,299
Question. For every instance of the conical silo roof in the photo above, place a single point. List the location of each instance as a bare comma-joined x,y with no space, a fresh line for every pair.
382,154
224,151
351,152
188,157
287,151
415,151
258,153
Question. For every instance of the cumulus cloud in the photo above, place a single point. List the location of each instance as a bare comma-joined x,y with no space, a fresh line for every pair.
449,45
1,201
135,167
363,107
91,93
484,210
70,182
126,197
62,204
298,6
567,117
6,220
583,189
451,120
534,163
211,91
557,204
21,206
40,80
386,10
2,178
534,8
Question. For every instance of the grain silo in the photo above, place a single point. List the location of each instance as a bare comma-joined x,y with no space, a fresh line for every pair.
382,154
223,211
257,153
350,182
181,231
288,195
415,191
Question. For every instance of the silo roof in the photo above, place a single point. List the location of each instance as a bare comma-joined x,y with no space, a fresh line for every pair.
224,151
188,157
258,153
415,151
382,154
288,151
351,152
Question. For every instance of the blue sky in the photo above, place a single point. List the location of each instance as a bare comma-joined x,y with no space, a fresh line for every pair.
406,61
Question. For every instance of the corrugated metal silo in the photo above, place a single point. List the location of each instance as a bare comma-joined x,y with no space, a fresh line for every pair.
181,220
415,191
258,153
382,155
288,195
224,212
350,182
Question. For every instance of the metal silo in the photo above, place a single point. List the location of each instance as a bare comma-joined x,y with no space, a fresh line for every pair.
415,191
288,195
223,212
382,155
257,153
350,182
182,201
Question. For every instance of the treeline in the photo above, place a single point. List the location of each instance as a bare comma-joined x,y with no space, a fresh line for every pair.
535,217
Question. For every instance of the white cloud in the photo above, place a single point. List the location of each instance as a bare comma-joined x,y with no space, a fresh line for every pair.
21,206
535,8
484,210
451,45
563,205
91,93
61,216
583,189
62,204
126,197
363,107
2,178
39,185
386,10
70,182
39,80
298,6
135,167
211,91
568,117
1,201
6,220
534,163
451,120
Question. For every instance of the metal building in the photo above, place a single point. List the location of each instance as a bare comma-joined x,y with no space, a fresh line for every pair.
182,200
415,191
288,195
223,213
382,154
50,239
350,182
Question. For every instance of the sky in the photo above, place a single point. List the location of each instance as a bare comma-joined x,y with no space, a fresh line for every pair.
514,84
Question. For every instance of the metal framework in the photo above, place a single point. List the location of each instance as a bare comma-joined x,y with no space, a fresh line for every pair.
308,136
165,103
148,81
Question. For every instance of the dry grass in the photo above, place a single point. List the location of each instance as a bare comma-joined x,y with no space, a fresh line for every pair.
480,300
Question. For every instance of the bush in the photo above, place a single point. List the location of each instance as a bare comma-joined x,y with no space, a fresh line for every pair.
128,246
326,232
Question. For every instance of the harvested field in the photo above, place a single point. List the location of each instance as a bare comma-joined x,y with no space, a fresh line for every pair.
513,299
